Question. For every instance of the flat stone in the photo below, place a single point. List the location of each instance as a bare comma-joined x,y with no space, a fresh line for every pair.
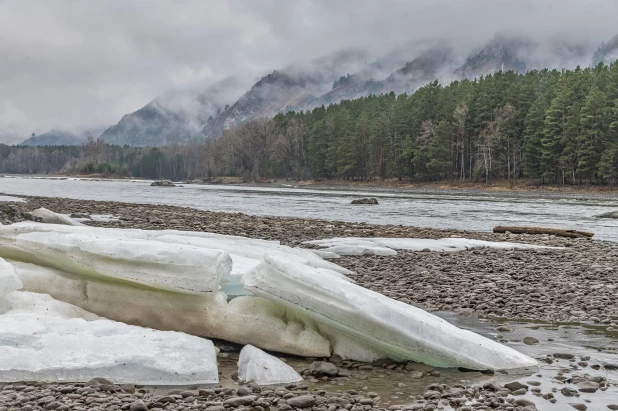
516,385
238,401
303,401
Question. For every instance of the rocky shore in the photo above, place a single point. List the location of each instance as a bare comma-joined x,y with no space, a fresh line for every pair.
575,284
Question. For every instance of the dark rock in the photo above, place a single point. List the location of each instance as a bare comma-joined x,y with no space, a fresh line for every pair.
580,407
365,201
530,340
587,386
81,215
568,392
515,385
323,368
564,356
163,183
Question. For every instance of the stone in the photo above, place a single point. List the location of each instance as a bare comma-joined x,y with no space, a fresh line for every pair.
102,384
365,201
238,401
516,385
568,392
163,183
578,406
138,406
530,340
323,368
128,388
587,386
522,402
303,401
564,356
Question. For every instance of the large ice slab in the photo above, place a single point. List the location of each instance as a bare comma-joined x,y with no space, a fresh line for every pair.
254,365
245,253
387,246
390,328
90,253
45,340
244,320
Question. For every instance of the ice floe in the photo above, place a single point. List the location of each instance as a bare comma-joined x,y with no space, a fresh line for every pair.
47,340
387,246
274,297
254,365
386,328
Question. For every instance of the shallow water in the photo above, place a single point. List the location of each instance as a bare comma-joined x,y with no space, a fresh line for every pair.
464,211
397,388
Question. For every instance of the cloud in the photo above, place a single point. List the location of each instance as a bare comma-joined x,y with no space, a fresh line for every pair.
68,63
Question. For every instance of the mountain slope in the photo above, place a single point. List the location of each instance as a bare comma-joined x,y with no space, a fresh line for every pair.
293,88
607,52
176,117
57,137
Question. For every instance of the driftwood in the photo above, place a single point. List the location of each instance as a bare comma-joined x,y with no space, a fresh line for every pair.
539,230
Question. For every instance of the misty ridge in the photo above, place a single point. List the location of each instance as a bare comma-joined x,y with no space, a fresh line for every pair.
191,115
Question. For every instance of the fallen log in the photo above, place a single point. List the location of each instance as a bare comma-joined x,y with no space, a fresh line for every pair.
540,230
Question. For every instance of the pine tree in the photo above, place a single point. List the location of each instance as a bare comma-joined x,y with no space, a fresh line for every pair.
593,132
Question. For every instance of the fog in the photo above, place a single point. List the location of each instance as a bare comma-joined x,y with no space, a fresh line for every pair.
74,64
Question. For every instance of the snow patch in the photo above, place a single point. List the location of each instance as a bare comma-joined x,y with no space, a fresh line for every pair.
386,246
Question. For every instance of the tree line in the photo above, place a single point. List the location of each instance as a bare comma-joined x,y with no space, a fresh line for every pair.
549,125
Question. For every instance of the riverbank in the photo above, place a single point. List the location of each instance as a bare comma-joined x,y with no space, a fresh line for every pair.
575,284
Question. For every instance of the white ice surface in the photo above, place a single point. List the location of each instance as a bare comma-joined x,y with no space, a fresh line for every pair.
8,279
254,365
46,340
89,252
385,327
49,217
387,246
245,253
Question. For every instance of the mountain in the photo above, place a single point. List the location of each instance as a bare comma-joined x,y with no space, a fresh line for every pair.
506,52
293,88
607,52
189,117
176,117
406,77
7,137
502,53
57,137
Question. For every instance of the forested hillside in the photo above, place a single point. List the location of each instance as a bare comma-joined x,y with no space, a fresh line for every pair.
554,126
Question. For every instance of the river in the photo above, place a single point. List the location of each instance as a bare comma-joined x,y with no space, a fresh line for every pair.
474,211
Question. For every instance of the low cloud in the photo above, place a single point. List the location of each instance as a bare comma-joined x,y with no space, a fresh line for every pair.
71,63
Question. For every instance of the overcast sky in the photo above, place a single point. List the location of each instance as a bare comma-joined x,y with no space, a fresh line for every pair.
68,63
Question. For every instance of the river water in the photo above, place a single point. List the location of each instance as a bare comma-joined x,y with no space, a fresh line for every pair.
475,211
